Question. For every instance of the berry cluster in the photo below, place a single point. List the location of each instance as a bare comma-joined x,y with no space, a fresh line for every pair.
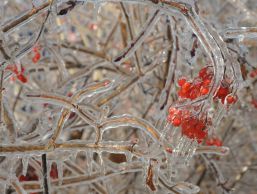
32,176
192,126
19,74
28,177
200,87
37,54
223,94
214,141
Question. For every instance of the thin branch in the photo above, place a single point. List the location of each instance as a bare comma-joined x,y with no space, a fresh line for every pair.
44,165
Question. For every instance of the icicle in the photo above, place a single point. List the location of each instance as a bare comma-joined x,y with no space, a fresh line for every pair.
103,170
185,147
73,155
177,150
191,152
145,171
89,158
60,171
25,163
157,171
12,160
97,9
48,176
41,180
104,113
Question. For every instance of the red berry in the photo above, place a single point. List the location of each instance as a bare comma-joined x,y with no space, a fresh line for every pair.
176,121
23,178
193,128
181,82
222,93
206,82
169,150
203,72
22,78
69,94
36,58
186,86
172,110
231,99
33,177
253,73
204,91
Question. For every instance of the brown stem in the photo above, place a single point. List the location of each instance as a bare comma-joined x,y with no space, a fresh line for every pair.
84,179
131,36
25,17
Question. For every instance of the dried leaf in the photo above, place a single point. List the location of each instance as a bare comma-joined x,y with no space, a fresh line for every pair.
149,178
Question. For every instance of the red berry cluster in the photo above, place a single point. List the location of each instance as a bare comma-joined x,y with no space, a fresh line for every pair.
28,177
214,141
19,74
37,54
192,126
32,176
200,87
224,93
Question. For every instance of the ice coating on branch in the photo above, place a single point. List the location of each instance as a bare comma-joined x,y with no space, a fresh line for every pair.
240,33
219,150
127,120
89,157
124,126
59,165
25,163
140,38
